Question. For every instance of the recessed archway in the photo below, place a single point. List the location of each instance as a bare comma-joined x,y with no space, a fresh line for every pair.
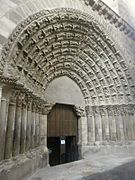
52,44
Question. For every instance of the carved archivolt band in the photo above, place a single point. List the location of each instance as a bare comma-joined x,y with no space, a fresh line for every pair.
67,41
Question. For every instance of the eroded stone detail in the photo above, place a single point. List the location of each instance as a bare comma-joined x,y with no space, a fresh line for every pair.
80,111
82,47
110,15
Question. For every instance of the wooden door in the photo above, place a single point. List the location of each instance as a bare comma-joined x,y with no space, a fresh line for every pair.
62,124
62,121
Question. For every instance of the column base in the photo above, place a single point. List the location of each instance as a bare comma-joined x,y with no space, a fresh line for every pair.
23,165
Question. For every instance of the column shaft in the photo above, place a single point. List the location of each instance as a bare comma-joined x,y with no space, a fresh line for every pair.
124,119
23,128
112,124
28,129
105,123
3,125
98,124
119,124
134,122
130,123
84,130
10,129
36,129
91,124
17,129
43,129
33,129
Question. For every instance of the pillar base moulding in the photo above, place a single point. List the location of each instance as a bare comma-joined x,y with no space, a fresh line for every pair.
24,164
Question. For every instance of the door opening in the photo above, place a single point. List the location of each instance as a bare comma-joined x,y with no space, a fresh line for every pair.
62,134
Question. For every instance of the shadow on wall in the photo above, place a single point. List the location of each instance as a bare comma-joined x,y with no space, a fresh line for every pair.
123,172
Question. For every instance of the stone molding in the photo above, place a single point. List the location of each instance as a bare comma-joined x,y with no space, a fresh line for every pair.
111,110
99,81
111,16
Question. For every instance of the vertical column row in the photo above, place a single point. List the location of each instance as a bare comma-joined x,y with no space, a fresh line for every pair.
111,123
23,124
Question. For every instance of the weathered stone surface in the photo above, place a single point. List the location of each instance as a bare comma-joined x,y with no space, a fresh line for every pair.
82,46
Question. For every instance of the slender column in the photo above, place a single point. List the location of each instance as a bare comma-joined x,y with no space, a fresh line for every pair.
91,124
84,130
33,125
28,129
105,123
112,123
36,127
98,124
130,122
10,126
124,119
79,131
119,123
83,134
23,126
43,129
133,122
3,125
17,130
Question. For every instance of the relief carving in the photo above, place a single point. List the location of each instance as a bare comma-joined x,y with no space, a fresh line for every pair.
39,37
80,111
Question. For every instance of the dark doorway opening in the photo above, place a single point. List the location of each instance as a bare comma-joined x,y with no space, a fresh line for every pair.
71,149
53,144
62,135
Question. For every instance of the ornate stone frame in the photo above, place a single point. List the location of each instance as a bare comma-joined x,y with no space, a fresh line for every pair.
99,82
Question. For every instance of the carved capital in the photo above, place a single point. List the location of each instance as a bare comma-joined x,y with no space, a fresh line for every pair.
24,102
80,111
29,102
123,110
46,108
116,110
33,106
19,97
96,111
89,110
109,111
103,111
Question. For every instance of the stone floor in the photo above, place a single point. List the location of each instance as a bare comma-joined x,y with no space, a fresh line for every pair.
92,167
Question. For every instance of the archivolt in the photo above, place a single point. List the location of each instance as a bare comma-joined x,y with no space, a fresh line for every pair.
66,42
